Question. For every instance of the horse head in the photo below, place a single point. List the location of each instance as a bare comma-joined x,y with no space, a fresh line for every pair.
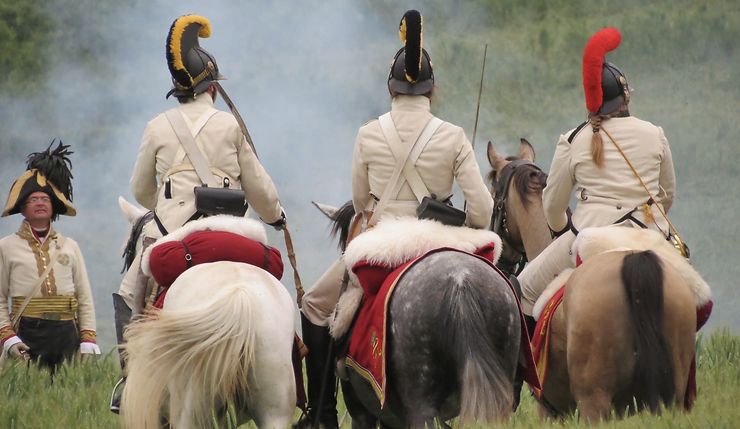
137,217
130,211
341,220
518,217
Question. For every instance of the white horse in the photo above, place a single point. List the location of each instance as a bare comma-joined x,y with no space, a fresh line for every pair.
222,339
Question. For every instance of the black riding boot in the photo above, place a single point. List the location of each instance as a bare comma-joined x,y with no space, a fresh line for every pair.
322,400
122,318
529,323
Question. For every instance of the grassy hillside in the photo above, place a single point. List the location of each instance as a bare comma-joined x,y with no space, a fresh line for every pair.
79,396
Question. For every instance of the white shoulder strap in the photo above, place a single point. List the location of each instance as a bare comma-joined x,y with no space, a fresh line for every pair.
182,131
195,129
406,157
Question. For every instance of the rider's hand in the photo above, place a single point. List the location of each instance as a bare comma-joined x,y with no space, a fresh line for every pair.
280,223
19,351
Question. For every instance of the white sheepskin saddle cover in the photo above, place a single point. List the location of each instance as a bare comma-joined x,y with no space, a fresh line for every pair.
592,241
246,227
394,241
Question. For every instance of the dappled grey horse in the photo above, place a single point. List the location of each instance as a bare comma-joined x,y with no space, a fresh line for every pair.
453,341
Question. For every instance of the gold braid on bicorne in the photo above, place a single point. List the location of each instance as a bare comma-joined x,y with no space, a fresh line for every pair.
597,145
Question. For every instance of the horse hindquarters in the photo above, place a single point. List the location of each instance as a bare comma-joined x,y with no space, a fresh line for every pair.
623,334
193,356
455,330
486,325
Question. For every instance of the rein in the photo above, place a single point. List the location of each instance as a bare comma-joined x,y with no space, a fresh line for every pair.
515,264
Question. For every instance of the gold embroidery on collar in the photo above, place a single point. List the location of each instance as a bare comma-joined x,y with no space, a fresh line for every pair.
41,253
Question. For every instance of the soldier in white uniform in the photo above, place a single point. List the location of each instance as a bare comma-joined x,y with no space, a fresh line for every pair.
38,262
447,157
585,160
164,177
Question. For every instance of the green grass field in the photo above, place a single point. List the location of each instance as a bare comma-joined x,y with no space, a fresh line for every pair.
78,397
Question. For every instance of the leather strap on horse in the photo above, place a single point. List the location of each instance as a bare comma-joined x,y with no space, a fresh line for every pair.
299,292
498,216
679,242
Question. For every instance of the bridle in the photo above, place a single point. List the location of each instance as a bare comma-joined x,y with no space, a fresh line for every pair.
511,262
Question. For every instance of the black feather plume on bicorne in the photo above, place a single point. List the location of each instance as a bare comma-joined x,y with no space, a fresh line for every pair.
410,32
55,165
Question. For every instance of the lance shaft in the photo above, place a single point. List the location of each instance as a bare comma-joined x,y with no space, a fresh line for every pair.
480,92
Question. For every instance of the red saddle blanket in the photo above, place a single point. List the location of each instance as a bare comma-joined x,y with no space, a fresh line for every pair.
171,258
541,339
541,345
367,344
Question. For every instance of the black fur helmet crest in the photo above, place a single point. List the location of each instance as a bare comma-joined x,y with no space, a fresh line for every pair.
411,72
49,172
192,67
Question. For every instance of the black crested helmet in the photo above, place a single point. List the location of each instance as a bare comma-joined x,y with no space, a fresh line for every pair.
411,72
192,67
50,172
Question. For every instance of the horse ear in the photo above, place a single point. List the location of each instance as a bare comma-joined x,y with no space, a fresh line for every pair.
526,151
327,210
497,161
130,211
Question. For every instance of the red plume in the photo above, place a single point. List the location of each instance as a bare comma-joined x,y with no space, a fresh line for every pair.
598,45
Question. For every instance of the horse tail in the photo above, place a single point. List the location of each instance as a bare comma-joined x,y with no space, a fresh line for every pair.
486,390
189,362
642,275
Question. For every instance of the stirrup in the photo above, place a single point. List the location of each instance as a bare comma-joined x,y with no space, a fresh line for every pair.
306,421
115,396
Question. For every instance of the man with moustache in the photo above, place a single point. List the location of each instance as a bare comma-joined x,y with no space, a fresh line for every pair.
46,306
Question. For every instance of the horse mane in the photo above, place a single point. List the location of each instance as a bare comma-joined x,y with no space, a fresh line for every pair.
524,181
341,221
129,251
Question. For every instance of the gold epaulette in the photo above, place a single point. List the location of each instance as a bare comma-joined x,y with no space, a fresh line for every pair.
57,307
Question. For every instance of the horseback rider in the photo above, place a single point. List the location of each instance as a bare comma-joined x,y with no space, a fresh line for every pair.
588,160
164,176
446,156
42,271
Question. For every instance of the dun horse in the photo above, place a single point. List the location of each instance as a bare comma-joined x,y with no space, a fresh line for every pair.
222,340
453,343
625,332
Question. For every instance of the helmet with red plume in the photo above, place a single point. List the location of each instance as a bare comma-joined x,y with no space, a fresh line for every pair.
604,85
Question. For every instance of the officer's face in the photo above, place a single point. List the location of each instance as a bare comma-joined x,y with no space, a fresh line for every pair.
37,208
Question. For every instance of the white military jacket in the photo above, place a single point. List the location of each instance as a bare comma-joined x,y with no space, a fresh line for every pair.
23,259
163,178
606,194
448,156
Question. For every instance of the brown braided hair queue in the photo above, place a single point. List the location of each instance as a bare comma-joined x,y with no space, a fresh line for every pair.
597,145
